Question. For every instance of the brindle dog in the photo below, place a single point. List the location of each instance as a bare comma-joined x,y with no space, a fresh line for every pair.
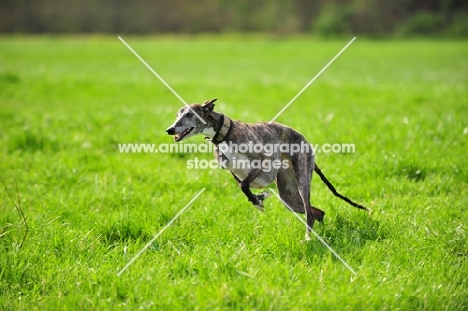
292,172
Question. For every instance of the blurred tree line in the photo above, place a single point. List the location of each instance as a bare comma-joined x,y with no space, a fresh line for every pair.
325,17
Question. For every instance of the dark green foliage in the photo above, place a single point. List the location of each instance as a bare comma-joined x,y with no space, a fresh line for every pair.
327,18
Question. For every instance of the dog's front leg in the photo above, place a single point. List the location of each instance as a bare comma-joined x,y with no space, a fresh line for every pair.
257,200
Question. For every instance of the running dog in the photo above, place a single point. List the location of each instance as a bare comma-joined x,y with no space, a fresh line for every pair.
291,171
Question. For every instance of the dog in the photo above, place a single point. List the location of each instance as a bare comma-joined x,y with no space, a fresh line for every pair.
292,172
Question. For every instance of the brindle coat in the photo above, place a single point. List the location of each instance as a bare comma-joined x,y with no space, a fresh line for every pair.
293,182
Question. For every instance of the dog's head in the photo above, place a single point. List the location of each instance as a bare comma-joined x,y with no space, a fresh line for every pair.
192,120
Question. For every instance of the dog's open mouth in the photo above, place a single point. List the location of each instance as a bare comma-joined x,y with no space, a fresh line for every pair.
184,133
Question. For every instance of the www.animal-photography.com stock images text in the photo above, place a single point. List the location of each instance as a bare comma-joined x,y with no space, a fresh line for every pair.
268,155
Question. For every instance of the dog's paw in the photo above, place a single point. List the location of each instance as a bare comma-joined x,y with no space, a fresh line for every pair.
262,196
259,204
259,198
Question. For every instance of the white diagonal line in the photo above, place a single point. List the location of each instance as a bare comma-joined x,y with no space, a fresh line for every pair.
315,233
161,79
160,232
313,79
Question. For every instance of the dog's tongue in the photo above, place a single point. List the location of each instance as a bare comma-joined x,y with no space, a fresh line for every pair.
182,134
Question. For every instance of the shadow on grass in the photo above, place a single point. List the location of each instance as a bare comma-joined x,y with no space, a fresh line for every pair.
411,171
123,231
343,235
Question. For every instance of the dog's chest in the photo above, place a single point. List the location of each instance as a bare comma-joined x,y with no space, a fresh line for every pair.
238,163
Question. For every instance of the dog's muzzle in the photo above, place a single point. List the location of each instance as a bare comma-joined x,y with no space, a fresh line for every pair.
170,131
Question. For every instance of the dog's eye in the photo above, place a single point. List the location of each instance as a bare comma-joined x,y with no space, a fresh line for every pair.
189,115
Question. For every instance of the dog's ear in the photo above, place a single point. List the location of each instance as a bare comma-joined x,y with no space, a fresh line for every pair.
208,105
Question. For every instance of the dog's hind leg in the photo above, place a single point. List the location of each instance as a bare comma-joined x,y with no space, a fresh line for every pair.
303,167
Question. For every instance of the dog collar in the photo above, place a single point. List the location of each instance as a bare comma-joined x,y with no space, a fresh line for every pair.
224,128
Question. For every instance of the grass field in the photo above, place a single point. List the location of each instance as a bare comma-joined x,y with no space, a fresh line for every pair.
66,102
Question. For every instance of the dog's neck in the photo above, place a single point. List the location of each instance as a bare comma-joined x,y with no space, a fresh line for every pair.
220,128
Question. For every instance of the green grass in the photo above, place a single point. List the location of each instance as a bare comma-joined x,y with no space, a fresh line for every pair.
65,102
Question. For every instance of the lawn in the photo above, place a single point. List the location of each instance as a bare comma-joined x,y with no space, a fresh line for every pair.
67,102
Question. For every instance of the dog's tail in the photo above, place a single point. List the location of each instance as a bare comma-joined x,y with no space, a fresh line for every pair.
332,189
